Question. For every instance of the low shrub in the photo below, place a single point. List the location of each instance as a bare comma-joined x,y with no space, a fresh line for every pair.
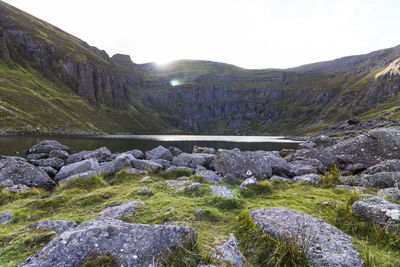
331,178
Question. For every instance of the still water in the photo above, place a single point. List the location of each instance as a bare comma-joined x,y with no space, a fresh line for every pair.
17,145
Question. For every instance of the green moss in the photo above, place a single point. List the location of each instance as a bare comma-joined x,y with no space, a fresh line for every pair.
257,190
96,260
176,173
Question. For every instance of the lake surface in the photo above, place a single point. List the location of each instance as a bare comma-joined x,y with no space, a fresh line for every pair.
17,145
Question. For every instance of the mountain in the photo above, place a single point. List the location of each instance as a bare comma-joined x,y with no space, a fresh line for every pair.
53,82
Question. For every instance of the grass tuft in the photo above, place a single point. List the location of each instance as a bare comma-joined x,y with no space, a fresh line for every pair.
88,184
257,190
331,178
95,260
227,204
176,173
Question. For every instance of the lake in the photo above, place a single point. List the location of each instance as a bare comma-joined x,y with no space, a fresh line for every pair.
17,145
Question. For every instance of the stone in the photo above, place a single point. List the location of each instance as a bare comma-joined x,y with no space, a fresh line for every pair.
55,163
222,191
138,154
175,168
145,179
283,179
126,156
82,175
146,165
7,183
47,146
131,244
101,155
307,144
209,176
229,251
145,190
18,188
390,193
307,178
6,217
248,182
159,152
347,180
133,170
193,160
21,172
31,157
163,162
188,187
49,170
77,167
207,150
175,184
352,188
57,153
379,211
355,168
57,226
391,165
325,245
174,151
112,167
306,166
115,212
379,180
324,157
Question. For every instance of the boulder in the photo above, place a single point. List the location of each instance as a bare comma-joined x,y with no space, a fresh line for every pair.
207,150
209,176
379,211
306,166
49,170
390,193
248,182
222,191
307,178
55,163
7,183
6,217
18,188
56,225
175,184
391,165
126,156
379,180
61,154
193,160
146,165
6,161
325,245
307,144
145,190
31,157
117,211
188,187
47,146
163,162
114,166
229,251
175,151
322,155
77,167
82,175
21,172
159,152
283,179
131,244
138,154
101,155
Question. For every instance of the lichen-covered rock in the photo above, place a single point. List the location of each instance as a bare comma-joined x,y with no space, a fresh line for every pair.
21,172
307,178
138,154
55,163
57,153
57,226
380,179
390,193
325,245
49,170
390,165
47,146
115,166
6,217
193,160
248,182
18,188
101,155
229,251
146,165
379,211
117,211
188,187
131,244
159,152
222,191
175,184
82,175
209,176
306,166
77,167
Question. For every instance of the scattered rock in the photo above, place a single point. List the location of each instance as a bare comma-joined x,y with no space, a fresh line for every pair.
379,211
49,170
101,155
77,167
31,157
380,179
57,226
175,184
145,190
55,163
283,179
229,251
82,175
117,211
306,166
193,160
247,182
352,188
390,193
47,146
146,165
188,187
333,203
163,162
222,191
175,168
7,183
6,217
159,152
307,144
347,180
131,244
138,154
115,166
307,178
145,179
325,244
209,176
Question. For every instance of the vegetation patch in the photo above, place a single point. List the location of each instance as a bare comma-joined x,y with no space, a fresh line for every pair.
96,260
176,173
257,190
331,178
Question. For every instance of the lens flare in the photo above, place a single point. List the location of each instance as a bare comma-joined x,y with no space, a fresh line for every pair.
174,82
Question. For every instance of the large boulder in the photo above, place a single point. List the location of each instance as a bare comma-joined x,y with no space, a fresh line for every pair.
390,193
260,164
55,163
6,161
6,217
379,211
47,146
320,154
209,176
379,180
138,154
101,155
21,172
302,166
57,226
115,166
146,165
391,165
77,167
117,211
325,245
229,251
131,244
193,160
159,152
370,148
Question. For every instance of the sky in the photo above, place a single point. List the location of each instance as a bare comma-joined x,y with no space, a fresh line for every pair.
247,33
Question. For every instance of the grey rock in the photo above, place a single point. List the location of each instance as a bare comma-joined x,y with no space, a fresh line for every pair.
114,166
9,161
175,184
307,178
131,244
62,154
55,163
307,144
325,245
77,167
391,165
145,179
24,173
159,152
188,187
306,166
144,190
390,193
193,160
133,170
117,211
379,211
247,182
209,176
7,183
175,168
229,251
347,180
18,188
82,175
207,150
326,158
222,191
333,203
101,155
126,156
57,226
175,151
49,170
380,179
355,168
352,188
146,165
138,154
47,146
283,179
6,217
163,162
31,157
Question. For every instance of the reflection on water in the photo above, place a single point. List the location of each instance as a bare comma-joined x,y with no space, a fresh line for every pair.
17,145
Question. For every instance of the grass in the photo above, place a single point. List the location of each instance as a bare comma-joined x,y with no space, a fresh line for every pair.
331,178
82,201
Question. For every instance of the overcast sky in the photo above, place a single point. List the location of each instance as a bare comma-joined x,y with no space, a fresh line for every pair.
247,33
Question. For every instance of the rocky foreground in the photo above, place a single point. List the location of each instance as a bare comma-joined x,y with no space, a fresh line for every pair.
111,195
